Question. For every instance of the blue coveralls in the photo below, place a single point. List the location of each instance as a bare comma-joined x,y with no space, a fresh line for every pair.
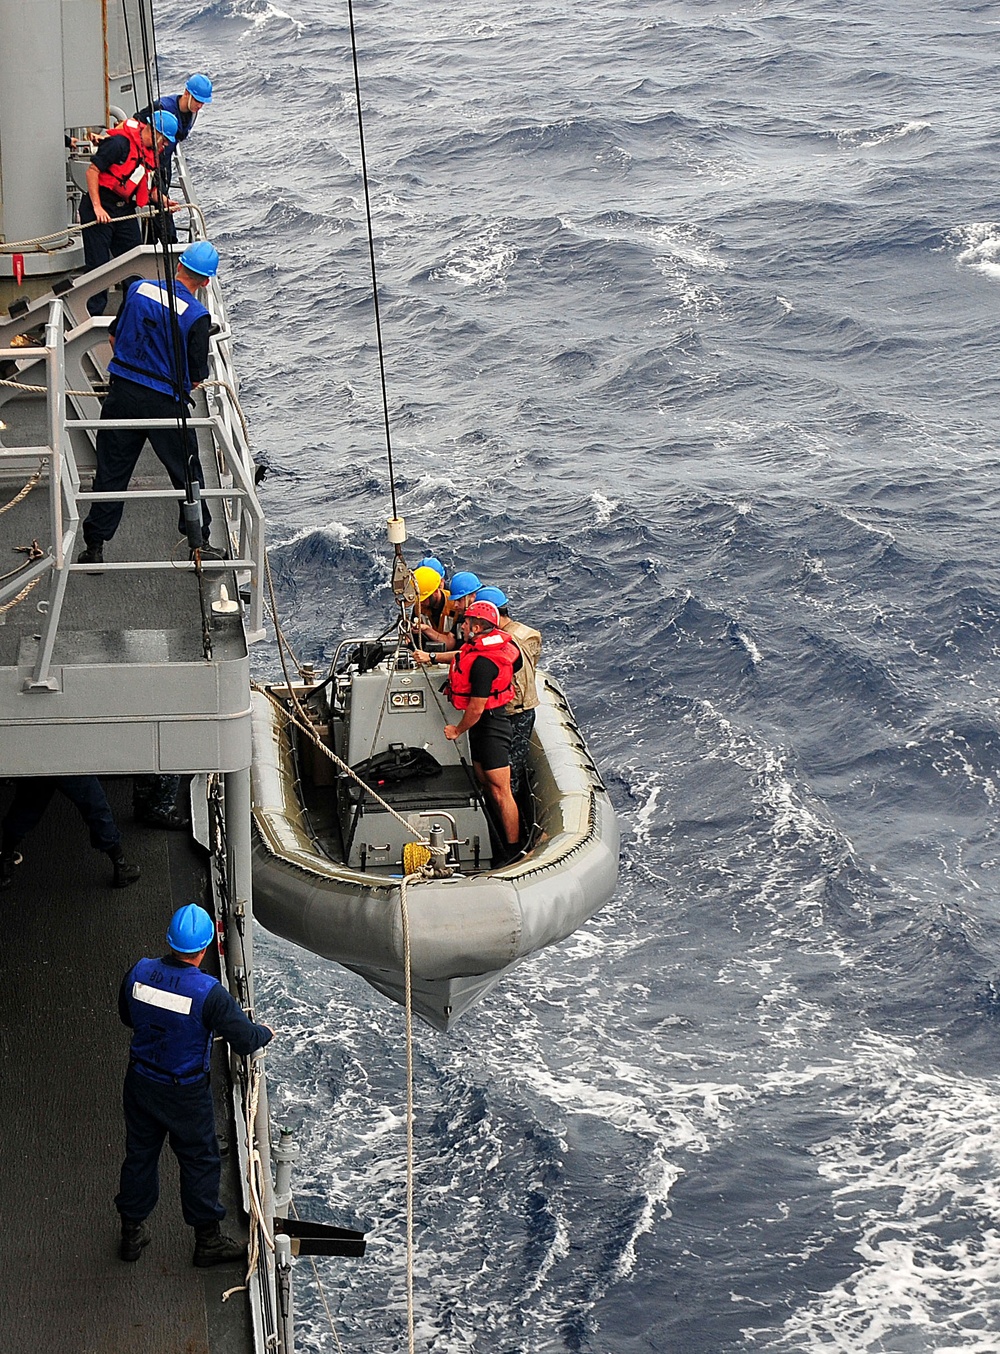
31,799
170,103
145,384
174,1011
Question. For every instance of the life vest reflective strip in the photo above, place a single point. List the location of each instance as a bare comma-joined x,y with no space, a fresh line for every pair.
144,349
131,177
170,1043
494,645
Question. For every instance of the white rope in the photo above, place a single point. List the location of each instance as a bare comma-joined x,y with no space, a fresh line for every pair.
224,385
77,227
255,1175
408,1006
9,606
27,488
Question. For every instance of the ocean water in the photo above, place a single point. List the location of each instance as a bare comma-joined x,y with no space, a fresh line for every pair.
690,317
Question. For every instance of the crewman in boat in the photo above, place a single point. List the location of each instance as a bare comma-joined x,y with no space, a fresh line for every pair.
186,106
461,594
144,383
481,685
119,182
432,598
521,710
175,1011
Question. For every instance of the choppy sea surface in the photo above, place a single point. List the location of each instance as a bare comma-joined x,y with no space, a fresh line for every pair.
691,328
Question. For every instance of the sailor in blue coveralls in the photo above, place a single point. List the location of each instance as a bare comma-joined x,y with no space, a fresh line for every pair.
145,383
174,1011
185,107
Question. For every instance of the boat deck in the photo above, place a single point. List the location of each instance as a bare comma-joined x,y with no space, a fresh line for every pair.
68,940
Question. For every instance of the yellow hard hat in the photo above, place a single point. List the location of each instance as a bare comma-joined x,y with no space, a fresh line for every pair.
428,581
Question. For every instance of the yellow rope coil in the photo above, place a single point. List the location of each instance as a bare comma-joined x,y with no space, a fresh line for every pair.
415,857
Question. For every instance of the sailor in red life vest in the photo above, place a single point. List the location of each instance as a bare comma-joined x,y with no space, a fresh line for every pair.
480,685
117,184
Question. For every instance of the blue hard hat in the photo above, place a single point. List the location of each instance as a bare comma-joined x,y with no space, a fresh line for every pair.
201,258
463,585
200,88
495,595
431,562
166,124
190,930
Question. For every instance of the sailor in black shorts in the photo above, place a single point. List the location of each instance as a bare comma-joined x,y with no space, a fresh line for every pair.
480,685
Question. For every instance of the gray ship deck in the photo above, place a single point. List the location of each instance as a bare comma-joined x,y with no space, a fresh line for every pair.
68,939
131,689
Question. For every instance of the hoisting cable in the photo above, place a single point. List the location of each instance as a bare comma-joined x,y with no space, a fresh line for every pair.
191,507
371,255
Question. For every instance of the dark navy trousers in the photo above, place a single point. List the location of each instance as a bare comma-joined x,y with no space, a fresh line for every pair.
31,799
119,451
102,243
155,1111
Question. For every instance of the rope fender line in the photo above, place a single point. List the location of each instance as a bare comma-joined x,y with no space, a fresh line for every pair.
14,601
26,490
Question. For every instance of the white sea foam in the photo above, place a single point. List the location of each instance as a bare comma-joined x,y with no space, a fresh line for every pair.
483,260
914,1176
978,246
864,138
261,12
605,506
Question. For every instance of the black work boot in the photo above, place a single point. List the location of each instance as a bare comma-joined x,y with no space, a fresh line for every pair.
135,1235
213,1247
94,554
125,873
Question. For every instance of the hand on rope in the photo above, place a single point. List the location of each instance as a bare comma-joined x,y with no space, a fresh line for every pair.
77,227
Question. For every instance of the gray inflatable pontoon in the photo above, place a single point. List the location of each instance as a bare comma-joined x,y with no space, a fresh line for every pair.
327,857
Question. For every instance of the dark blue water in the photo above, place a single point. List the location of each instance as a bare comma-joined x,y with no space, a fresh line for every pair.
691,330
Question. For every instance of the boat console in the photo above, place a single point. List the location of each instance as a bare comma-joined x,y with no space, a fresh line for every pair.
387,723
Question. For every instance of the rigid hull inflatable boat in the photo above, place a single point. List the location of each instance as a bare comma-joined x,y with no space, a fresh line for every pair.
330,842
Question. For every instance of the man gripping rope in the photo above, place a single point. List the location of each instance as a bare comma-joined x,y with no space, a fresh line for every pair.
145,383
175,1011
118,182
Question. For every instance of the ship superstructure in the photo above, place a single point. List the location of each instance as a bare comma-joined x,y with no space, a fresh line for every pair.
137,666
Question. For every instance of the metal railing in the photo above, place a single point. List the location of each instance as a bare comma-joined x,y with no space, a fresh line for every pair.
45,369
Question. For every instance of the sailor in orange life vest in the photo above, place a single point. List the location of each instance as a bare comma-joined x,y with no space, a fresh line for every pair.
118,182
480,685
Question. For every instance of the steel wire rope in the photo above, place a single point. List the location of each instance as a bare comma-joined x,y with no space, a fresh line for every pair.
371,256
167,282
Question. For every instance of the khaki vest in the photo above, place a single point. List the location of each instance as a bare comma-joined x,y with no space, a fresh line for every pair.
530,644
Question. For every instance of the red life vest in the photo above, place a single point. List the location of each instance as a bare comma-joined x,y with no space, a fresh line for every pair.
491,644
131,177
